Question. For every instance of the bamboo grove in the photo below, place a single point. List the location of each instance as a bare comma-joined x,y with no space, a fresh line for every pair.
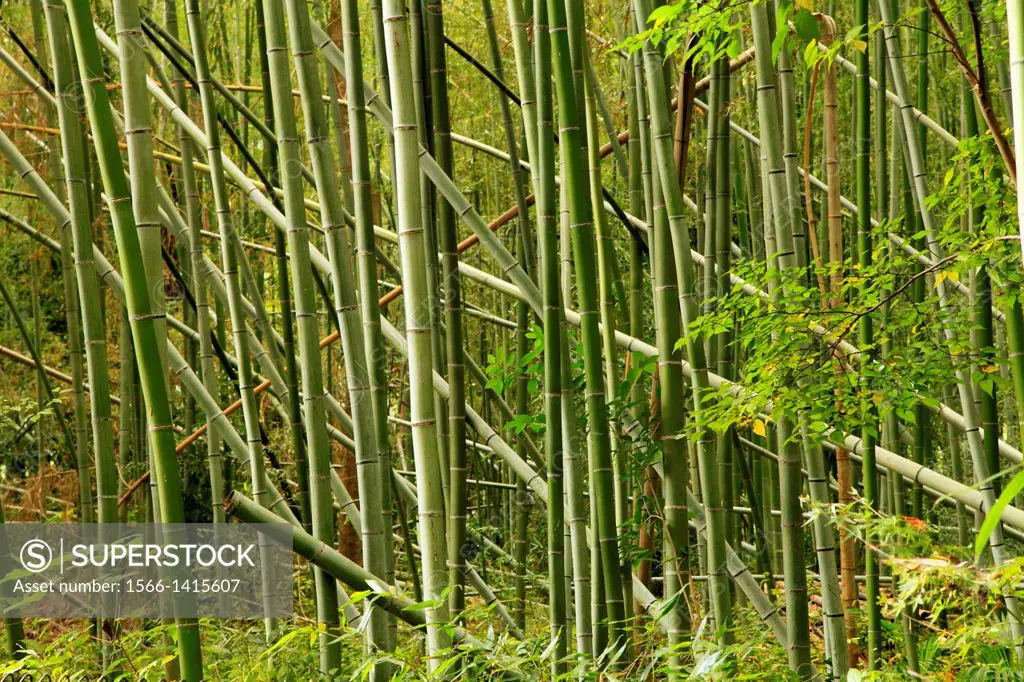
570,339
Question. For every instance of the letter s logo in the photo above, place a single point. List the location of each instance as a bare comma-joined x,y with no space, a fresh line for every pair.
36,555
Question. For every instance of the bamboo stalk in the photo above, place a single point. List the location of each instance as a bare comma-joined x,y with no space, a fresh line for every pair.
412,242
300,253
583,247
230,249
147,335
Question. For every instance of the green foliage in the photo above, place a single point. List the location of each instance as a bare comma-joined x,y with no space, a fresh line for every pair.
672,24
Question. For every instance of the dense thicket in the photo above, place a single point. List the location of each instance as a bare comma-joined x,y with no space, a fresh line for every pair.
572,339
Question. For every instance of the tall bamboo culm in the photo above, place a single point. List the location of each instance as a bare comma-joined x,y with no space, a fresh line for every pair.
230,248
147,336
417,323
318,447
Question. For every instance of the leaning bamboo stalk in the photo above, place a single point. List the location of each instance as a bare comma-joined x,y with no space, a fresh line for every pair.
343,569
147,335
915,166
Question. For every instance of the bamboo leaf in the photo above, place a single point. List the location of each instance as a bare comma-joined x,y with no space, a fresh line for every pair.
805,25
994,514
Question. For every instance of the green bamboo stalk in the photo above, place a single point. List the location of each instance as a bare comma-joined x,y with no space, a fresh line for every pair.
455,439
81,235
14,629
299,248
984,337
71,303
575,181
722,220
608,278
367,267
189,315
230,248
137,129
554,360
674,458
70,289
865,331
347,308
916,170
787,104
518,22
922,434
146,333
414,280
577,562
199,291
1015,34
43,66
139,137
294,405
127,449
37,342
638,408
424,61
788,257
661,136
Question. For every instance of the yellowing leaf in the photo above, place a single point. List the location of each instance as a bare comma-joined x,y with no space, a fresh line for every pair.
950,275
759,427
990,369
805,4
860,45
